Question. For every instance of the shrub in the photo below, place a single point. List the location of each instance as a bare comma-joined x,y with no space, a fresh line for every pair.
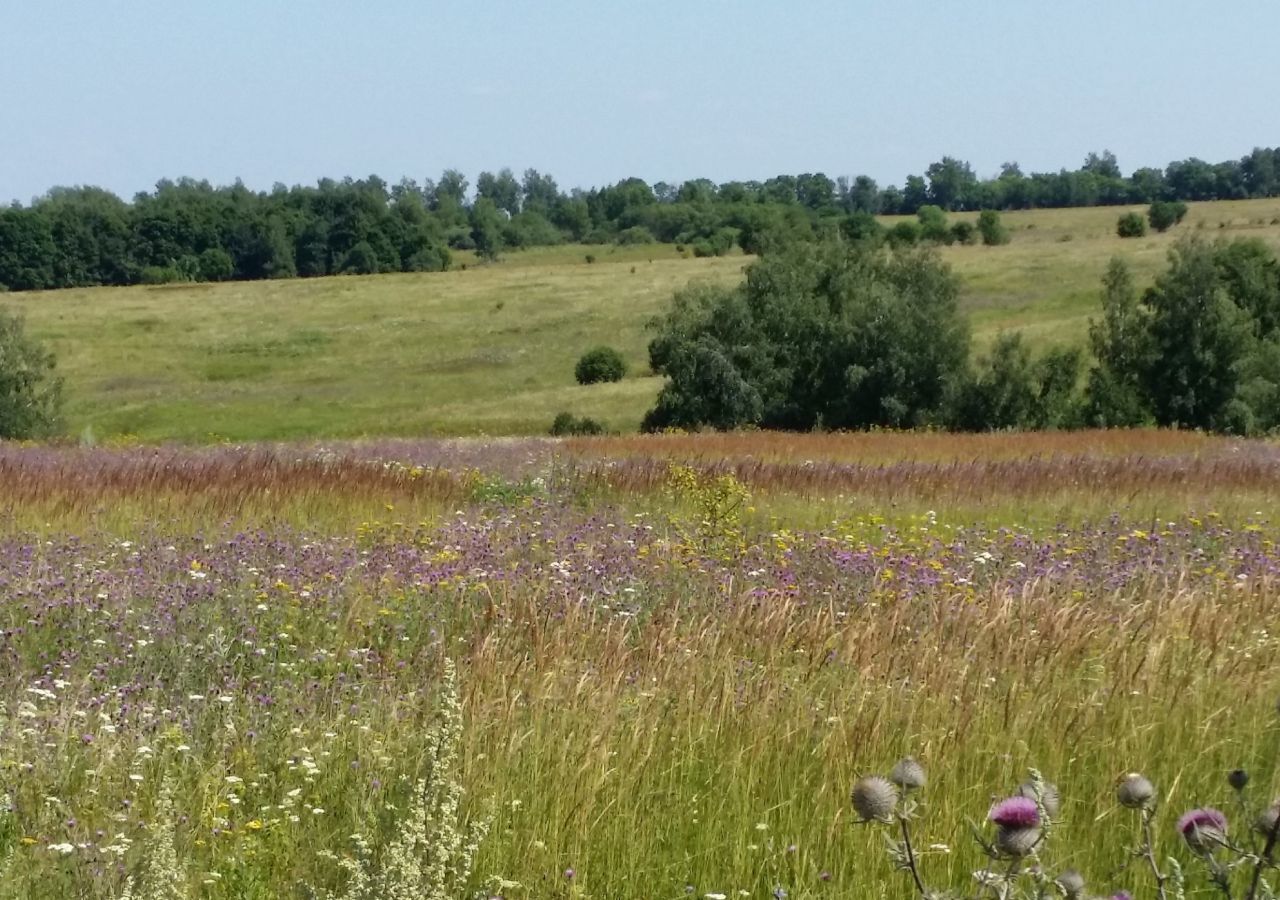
933,224
1131,225
600,364
637,234
30,394
568,425
216,265
1164,214
163,275
964,233
861,226
992,229
904,234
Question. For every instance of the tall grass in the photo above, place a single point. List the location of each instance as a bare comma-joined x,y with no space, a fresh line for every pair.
658,697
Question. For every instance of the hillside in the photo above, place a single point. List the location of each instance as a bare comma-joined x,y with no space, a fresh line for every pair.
490,349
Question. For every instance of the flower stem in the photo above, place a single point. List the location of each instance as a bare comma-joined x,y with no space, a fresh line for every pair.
1149,851
911,856
1264,861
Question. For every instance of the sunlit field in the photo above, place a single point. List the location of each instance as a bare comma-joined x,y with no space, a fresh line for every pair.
674,656
491,349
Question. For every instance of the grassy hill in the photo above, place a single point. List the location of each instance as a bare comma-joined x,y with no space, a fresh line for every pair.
490,349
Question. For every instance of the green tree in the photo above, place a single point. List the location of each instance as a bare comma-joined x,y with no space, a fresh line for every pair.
1013,390
486,229
1114,395
951,183
832,335
502,189
30,393
1199,340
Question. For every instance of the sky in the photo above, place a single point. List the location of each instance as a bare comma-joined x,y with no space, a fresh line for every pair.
122,93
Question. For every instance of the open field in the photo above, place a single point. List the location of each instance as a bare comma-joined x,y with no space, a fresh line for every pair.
491,349
669,678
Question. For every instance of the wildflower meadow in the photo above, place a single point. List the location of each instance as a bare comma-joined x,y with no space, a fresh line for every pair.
620,668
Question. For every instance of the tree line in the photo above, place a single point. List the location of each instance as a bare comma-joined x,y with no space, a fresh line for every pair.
856,335
189,230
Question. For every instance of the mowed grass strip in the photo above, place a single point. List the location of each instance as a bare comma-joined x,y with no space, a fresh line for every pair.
491,349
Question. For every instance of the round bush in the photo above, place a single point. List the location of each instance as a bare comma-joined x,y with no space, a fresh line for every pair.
1131,225
600,364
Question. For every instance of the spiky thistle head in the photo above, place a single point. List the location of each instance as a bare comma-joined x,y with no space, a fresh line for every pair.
908,774
1017,842
1238,779
1266,821
874,799
1135,792
1203,829
1071,883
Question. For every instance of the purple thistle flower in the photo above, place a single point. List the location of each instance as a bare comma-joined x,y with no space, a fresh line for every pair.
1203,828
1015,812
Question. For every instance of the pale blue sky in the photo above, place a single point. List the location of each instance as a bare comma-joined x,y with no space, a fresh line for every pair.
120,93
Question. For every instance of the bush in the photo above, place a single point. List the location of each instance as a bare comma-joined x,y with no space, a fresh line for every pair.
861,226
163,275
600,364
1131,225
992,229
30,394
216,265
1164,214
569,425
904,234
933,224
964,233
637,234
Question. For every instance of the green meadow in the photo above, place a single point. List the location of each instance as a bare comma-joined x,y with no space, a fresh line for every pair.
490,349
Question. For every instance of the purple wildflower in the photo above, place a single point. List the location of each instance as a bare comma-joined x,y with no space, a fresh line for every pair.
1203,828
1015,812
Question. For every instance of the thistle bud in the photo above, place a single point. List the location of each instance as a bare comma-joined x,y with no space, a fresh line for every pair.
1266,821
1135,791
1017,842
1049,797
908,774
1203,829
874,799
1071,883
1237,778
